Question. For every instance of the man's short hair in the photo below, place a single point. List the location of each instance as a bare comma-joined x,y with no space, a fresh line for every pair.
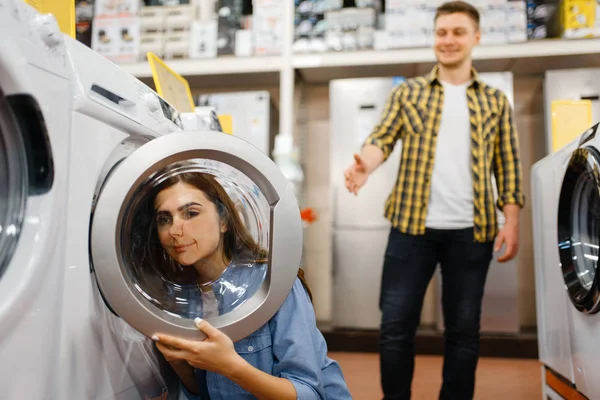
458,6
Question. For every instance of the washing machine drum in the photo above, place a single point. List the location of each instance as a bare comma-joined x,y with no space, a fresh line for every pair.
196,224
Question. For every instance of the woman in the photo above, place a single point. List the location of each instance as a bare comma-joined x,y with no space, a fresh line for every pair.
199,229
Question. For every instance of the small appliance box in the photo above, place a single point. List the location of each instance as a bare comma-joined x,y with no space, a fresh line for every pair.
539,13
573,19
229,19
516,21
117,39
152,42
203,39
84,15
267,26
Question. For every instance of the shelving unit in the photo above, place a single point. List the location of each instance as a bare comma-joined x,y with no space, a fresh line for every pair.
212,66
284,71
549,48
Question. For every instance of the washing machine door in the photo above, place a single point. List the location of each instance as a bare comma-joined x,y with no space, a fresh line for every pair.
13,186
26,175
196,224
579,229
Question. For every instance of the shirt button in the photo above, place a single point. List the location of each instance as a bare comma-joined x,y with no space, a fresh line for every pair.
250,348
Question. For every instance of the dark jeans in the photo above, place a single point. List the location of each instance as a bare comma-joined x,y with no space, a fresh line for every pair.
410,262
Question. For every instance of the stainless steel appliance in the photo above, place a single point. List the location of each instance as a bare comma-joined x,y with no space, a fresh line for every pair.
253,115
359,228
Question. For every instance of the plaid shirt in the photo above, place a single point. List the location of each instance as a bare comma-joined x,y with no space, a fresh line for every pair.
413,114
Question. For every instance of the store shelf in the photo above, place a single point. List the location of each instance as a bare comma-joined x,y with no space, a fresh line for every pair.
413,61
540,48
224,65
361,63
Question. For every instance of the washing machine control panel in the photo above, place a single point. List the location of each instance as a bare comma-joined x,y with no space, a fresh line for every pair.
107,92
159,110
151,102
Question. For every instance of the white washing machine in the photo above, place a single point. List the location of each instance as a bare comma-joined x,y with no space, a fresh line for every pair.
34,144
566,190
115,294
554,346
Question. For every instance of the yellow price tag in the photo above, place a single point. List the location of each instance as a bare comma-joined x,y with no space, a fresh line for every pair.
63,11
171,86
226,123
570,118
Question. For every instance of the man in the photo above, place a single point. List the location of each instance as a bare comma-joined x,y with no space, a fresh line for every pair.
457,133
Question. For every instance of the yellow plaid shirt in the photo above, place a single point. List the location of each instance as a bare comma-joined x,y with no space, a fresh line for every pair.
413,114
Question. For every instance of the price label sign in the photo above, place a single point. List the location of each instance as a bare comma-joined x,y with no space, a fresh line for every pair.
171,86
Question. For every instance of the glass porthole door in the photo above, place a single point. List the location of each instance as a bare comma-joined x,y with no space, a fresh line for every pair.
196,224
579,229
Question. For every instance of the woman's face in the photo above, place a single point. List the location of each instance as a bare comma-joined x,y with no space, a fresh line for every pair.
189,227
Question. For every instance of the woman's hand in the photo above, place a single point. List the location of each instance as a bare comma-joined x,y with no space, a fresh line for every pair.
215,353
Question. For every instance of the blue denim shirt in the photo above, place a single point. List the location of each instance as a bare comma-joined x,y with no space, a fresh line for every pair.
288,346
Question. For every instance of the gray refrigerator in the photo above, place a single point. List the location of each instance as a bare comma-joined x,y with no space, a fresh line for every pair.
360,231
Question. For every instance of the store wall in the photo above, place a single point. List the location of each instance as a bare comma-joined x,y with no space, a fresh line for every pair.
313,128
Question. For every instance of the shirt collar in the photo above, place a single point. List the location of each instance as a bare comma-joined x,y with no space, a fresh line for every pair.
432,77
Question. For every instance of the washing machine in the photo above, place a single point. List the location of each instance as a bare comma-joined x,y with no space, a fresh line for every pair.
566,191
554,346
124,139
34,143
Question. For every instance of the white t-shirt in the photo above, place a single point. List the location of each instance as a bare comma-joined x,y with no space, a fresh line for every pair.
451,196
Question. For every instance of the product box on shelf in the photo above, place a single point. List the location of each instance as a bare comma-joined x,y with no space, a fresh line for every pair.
493,21
203,39
243,43
596,29
152,19
267,27
573,19
84,15
229,21
152,42
167,2
516,21
409,26
328,26
177,45
178,18
316,7
539,13
117,39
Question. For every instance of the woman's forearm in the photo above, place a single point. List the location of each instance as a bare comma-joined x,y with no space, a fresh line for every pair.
261,384
185,372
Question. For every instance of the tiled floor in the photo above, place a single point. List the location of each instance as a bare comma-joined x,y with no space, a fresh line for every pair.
497,379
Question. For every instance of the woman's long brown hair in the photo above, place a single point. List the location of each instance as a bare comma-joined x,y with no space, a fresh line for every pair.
238,243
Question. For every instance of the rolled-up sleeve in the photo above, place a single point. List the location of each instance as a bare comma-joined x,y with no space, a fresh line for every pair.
300,351
507,159
388,130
